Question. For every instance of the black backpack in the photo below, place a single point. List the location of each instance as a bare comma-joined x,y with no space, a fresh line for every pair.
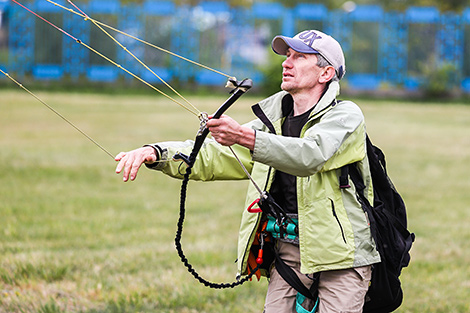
388,224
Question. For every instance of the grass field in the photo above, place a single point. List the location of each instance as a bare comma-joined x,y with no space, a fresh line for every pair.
75,238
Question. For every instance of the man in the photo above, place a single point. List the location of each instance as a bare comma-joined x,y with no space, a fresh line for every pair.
296,148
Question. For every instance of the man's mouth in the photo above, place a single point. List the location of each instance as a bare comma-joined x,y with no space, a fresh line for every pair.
286,75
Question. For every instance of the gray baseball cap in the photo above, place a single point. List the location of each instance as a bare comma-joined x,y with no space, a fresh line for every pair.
316,42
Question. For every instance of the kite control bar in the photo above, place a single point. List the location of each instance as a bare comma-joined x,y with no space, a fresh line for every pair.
239,88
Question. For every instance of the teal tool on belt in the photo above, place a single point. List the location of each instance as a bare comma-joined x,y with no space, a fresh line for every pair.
288,229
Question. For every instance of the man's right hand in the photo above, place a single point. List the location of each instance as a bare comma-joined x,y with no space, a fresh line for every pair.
130,162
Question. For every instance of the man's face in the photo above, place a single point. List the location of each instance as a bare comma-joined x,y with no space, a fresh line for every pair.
300,72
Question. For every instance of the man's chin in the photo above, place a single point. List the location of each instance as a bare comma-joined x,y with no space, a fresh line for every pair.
286,87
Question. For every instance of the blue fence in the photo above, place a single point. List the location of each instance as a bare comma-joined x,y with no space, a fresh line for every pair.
394,48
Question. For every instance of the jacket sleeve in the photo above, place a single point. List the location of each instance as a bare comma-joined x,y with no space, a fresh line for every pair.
214,161
337,139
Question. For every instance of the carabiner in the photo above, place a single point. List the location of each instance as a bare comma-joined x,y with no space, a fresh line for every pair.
255,210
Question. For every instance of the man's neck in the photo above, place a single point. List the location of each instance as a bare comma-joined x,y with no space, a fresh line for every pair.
304,101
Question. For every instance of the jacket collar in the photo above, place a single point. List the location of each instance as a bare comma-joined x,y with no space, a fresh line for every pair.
280,104
327,99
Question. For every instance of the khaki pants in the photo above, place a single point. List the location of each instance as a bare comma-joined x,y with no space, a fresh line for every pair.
340,291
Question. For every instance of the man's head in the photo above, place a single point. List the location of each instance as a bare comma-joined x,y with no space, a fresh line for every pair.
313,42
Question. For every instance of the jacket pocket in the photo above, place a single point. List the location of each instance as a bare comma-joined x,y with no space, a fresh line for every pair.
333,210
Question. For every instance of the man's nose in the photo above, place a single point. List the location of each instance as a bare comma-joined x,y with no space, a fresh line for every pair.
287,63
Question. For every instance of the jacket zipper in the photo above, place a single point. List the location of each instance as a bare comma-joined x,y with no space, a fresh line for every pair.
337,220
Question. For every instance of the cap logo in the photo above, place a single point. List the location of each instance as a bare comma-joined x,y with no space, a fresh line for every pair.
308,37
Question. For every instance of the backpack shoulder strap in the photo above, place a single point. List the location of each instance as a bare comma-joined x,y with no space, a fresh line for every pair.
344,177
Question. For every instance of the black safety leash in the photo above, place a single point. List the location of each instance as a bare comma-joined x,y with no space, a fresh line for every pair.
240,89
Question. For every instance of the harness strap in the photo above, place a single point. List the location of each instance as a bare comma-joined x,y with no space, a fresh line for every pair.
288,274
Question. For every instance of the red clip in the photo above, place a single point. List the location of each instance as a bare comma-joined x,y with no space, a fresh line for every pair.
259,260
256,210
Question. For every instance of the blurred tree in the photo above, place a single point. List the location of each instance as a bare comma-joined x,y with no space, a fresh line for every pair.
448,5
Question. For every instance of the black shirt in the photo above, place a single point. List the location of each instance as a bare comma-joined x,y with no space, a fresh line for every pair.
284,188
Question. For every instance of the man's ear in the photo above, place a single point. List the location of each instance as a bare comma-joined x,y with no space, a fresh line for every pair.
327,74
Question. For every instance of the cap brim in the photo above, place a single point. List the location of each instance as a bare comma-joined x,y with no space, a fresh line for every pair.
281,44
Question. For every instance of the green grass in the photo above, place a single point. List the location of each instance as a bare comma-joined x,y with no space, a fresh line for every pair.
75,238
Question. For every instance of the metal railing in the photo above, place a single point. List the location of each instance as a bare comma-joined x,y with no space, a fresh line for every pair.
394,48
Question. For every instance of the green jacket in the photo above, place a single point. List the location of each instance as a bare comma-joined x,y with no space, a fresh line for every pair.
334,232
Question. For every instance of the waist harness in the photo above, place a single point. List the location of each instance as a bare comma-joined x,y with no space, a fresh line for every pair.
277,224
287,231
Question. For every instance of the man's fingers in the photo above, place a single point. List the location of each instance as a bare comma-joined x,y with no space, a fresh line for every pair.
128,167
125,165
214,122
119,156
121,163
135,169
130,162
